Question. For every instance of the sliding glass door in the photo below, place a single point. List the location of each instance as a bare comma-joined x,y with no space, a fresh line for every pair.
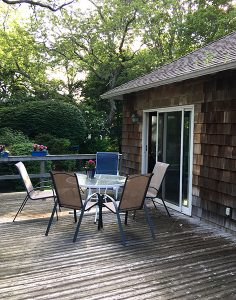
169,139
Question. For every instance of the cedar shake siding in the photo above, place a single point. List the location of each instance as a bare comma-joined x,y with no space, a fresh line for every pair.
214,149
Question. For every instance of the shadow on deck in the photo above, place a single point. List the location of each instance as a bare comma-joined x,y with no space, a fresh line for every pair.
187,260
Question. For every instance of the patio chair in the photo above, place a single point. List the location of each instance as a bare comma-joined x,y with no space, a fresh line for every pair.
154,192
33,192
107,163
132,198
68,195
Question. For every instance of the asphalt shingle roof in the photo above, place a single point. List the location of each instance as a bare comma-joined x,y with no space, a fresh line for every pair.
215,57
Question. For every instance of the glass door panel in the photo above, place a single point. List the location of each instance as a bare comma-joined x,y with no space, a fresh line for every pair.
172,141
152,140
186,158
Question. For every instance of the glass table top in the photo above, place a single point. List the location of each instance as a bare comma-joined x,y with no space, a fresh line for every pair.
101,181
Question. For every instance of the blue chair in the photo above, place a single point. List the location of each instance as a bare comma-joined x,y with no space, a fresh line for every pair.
107,163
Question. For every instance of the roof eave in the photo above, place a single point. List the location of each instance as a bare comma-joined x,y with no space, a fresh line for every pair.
215,69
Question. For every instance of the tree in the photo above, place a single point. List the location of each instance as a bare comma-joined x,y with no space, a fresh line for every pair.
101,42
23,67
207,23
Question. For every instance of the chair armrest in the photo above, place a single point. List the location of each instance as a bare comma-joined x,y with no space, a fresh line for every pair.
45,186
114,201
85,202
152,188
44,181
113,207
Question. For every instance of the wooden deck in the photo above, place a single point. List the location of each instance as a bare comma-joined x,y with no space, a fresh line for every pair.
187,260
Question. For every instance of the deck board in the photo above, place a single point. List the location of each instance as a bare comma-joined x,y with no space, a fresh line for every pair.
187,260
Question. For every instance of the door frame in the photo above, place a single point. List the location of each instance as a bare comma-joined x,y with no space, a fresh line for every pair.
144,163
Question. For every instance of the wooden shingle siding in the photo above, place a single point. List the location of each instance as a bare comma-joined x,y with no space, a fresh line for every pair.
214,149
131,143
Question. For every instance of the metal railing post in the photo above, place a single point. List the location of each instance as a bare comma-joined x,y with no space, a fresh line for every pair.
42,171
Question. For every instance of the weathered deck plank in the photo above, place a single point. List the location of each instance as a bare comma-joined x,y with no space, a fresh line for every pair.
186,261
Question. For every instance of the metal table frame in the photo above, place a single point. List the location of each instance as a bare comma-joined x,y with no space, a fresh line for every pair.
100,182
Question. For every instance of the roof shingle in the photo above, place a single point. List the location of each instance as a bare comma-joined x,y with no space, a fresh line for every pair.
214,57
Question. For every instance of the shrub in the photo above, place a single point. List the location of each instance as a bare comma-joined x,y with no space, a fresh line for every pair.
10,137
57,146
60,119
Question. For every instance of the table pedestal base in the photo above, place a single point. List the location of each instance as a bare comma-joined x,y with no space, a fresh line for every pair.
100,204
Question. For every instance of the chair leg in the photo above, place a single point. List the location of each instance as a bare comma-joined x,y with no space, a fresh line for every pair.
149,220
51,218
126,217
78,225
75,215
154,203
56,209
165,207
21,207
96,214
121,229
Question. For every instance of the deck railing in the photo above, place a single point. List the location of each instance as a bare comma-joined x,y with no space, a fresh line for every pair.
42,160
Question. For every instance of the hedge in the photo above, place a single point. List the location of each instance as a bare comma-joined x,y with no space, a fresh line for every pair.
60,119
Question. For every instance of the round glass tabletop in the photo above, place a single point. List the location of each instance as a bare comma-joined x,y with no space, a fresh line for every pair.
101,181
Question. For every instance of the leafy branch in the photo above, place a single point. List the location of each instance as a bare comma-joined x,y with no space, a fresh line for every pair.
38,3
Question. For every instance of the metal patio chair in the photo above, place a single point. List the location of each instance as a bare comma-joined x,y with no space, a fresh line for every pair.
132,198
154,192
68,195
33,192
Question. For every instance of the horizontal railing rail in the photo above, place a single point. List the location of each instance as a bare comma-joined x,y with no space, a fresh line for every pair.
42,160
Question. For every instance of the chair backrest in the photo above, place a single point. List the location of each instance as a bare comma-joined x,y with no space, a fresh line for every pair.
67,189
134,191
107,163
159,172
25,177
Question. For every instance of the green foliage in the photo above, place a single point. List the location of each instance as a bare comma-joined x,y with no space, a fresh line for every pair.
98,143
59,119
21,149
19,144
100,136
10,137
207,23
57,146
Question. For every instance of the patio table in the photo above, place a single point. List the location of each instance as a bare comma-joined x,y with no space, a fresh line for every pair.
100,182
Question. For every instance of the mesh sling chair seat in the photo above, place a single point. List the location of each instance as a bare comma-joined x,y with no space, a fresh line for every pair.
154,191
33,192
68,196
132,198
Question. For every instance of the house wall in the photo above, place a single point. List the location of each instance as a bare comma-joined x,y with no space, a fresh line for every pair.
214,151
